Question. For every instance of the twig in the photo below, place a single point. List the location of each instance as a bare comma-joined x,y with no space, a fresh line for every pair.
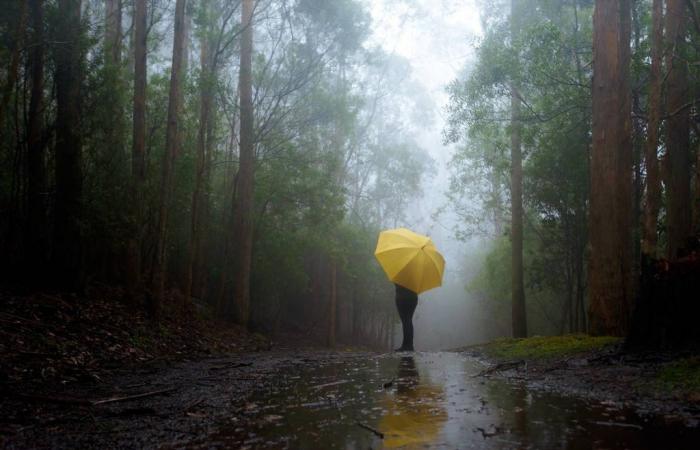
131,397
368,428
230,366
335,383
499,367
193,404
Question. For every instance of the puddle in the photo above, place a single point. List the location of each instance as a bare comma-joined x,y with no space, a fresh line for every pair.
430,400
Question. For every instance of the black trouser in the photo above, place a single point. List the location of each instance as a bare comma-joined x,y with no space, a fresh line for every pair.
407,306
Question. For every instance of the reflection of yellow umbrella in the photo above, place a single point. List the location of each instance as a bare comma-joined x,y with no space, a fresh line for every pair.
413,419
410,259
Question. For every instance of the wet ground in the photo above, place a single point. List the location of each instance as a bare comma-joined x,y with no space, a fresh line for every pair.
322,400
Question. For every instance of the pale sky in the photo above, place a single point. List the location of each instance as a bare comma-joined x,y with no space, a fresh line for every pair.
436,37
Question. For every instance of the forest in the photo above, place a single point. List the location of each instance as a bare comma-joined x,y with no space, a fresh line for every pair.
182,179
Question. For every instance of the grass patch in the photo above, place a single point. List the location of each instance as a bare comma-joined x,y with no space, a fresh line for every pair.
683,374
543,347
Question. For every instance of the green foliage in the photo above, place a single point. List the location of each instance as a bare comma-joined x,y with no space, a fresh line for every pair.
682,375
541,347
548,62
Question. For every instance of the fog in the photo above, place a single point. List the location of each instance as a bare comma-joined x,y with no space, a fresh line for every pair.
437,39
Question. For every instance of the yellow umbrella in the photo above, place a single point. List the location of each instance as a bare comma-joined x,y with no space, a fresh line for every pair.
410,259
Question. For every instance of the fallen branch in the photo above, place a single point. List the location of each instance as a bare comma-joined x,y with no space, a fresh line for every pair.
131,397
231,366
193,404
500,367
335,383
368,428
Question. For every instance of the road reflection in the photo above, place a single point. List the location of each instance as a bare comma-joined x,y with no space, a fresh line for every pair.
414,412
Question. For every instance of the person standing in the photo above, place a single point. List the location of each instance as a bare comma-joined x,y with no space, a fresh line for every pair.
406,302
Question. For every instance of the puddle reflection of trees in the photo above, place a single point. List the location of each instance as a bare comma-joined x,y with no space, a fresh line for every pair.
414,412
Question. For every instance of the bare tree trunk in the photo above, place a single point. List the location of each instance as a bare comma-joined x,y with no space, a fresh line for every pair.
113,58
206,81
696,210
243,220
333,304
36,167
113,31
677,129
610,263
171,146
138,150
653,182
67,250
519,318
13,69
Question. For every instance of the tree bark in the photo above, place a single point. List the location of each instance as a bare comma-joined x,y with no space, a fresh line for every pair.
333,304
13,69
677,129
36,167
610,263
243,220
653,181
171,147
138,149
205,102
113,32
113,50
519,318
67,249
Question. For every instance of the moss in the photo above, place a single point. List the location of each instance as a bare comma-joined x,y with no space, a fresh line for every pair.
683,375
543,347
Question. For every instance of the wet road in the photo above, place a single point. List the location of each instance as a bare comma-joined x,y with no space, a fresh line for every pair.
434,400
322,400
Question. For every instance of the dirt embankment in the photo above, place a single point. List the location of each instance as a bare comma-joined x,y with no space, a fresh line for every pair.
48,340
600,369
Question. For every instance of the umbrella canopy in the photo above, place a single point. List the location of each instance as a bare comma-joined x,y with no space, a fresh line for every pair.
410,259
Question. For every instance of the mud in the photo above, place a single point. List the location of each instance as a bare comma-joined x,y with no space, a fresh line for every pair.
314,399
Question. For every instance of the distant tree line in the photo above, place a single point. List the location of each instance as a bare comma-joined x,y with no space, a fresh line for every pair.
239,154
584,112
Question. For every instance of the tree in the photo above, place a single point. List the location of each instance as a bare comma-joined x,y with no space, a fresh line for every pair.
171,146
653,182
516,181
36,167
67,236
138,149
112,64
243,206
677,129
610,263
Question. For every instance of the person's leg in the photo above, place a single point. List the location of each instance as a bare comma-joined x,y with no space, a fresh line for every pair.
410,308
406,309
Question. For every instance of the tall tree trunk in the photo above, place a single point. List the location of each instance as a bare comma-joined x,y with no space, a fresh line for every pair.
205,88
610,263
677,128
519,318
36,168
696,203
653,183
113,32
171,146
67,249
13,69
113,59
333,303
243,220
138,149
